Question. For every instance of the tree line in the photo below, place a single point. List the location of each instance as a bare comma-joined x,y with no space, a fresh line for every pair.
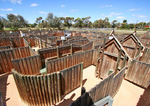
17,21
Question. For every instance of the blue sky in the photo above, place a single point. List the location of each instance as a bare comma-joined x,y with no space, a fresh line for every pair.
132,10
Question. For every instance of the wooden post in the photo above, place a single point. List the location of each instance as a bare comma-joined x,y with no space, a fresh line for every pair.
134,52
81,74
83,90
71,50
118,61
124,61
57,52
138,52
97,63
45,45
102,58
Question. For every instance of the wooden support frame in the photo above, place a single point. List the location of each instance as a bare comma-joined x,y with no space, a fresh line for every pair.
118,61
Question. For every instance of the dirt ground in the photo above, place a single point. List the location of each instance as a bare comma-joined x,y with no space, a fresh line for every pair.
128,94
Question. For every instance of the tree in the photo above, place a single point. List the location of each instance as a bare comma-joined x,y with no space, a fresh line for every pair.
95,24
124,21
79,22
16,21
86,21
106,22
124,24
131,26
49,19
67,21
52,21
114,23
38,20
57,22
1,24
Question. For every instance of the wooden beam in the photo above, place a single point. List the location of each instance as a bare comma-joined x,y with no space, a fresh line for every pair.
118,61
58,52
102,58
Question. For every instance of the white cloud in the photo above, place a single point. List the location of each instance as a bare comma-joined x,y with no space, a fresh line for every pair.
142,16
62,5
139,16
120,17
43,12
16,1
113,13
8,9
109,15
133,9
106,6
2,15
73,10
33,5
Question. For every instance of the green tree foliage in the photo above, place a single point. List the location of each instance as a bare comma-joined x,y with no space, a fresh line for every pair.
114,23
102,23
131,26
124,24
1,24
15,21
86,22
67,21
106,22
78,23
52,21
38,20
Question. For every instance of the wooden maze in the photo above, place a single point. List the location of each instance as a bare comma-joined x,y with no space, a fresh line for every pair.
46,68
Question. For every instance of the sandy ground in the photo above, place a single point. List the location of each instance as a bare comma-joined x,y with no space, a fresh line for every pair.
128,94
89,81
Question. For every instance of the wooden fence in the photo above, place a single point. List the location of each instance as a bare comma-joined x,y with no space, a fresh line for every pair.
53,53
7,55
5,41
17,42
146,56
68,61
78,42
71,78
108,86
38,89
47,89
5,47
26,43
28,65
139,73
88,46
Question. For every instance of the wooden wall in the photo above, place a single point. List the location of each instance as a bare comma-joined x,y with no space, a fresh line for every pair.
145,56
5,41
78,42
28,65
57,52
108,86
139,73
7,55
5,47
68,61
38,89
17,42
71,78
48,89
88,46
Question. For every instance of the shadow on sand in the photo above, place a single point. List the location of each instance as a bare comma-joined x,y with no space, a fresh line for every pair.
3,86
145,98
